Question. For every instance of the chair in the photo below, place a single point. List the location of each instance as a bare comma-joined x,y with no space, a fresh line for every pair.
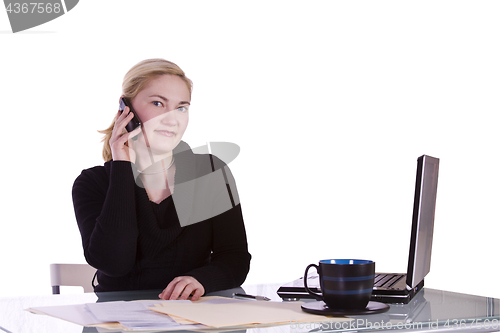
71,275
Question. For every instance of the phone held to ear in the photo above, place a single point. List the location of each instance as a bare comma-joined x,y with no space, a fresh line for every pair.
135,122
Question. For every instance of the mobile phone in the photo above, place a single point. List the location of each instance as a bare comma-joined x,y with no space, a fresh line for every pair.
135,122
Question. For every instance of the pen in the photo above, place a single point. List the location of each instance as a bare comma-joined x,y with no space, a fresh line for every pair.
258,298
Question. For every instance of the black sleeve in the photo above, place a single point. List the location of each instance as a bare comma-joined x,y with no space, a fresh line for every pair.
230,259
106,214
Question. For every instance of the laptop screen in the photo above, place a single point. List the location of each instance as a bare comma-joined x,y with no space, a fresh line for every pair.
424,205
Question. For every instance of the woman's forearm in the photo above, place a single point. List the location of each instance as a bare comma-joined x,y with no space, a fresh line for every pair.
107,219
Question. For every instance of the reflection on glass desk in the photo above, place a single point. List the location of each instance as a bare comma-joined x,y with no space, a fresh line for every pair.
430,311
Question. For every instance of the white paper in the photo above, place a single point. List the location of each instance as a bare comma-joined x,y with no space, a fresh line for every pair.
78,313
133,314
120,311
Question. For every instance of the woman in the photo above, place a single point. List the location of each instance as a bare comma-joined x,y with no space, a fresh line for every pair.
156,216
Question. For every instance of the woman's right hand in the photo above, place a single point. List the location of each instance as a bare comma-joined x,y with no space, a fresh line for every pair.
120,149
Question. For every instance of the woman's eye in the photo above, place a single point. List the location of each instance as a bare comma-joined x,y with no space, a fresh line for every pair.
182,108
157,103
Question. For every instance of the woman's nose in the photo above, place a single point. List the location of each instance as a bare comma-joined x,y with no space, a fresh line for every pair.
169,117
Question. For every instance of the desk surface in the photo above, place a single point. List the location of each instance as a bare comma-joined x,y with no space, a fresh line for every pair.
430,311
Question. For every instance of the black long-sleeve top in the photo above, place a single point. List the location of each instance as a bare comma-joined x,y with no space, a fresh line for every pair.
137,244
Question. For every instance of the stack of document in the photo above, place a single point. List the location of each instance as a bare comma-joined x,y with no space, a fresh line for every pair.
134,315
221,312
208,312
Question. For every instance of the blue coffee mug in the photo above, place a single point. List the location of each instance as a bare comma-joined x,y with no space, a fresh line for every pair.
346,284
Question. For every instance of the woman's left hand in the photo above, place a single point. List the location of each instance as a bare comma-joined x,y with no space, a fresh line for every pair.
181,288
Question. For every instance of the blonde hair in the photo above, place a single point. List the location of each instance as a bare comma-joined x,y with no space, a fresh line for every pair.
136,79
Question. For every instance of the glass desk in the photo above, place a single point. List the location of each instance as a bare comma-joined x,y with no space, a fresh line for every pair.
430,311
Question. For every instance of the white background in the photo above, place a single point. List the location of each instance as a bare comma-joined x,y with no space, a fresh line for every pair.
331,103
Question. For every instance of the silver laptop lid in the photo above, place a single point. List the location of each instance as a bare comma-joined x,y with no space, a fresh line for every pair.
424,205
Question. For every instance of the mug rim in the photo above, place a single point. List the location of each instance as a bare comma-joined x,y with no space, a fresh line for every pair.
346,261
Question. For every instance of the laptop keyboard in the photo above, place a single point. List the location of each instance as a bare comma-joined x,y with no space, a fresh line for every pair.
381,281
387,280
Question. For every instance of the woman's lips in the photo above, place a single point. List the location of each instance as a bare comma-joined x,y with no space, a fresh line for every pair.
166,133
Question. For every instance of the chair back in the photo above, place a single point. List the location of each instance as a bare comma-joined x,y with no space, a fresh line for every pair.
71,275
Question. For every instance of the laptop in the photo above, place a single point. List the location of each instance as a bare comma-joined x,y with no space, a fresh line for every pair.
389,287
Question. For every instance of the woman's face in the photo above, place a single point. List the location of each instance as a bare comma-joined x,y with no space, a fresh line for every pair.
163,109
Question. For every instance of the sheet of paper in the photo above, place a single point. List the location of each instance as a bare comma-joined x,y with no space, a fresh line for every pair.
136,315
78,313
126,311
133,315
206,300
241,313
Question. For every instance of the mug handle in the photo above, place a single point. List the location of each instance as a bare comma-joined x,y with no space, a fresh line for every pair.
316,296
